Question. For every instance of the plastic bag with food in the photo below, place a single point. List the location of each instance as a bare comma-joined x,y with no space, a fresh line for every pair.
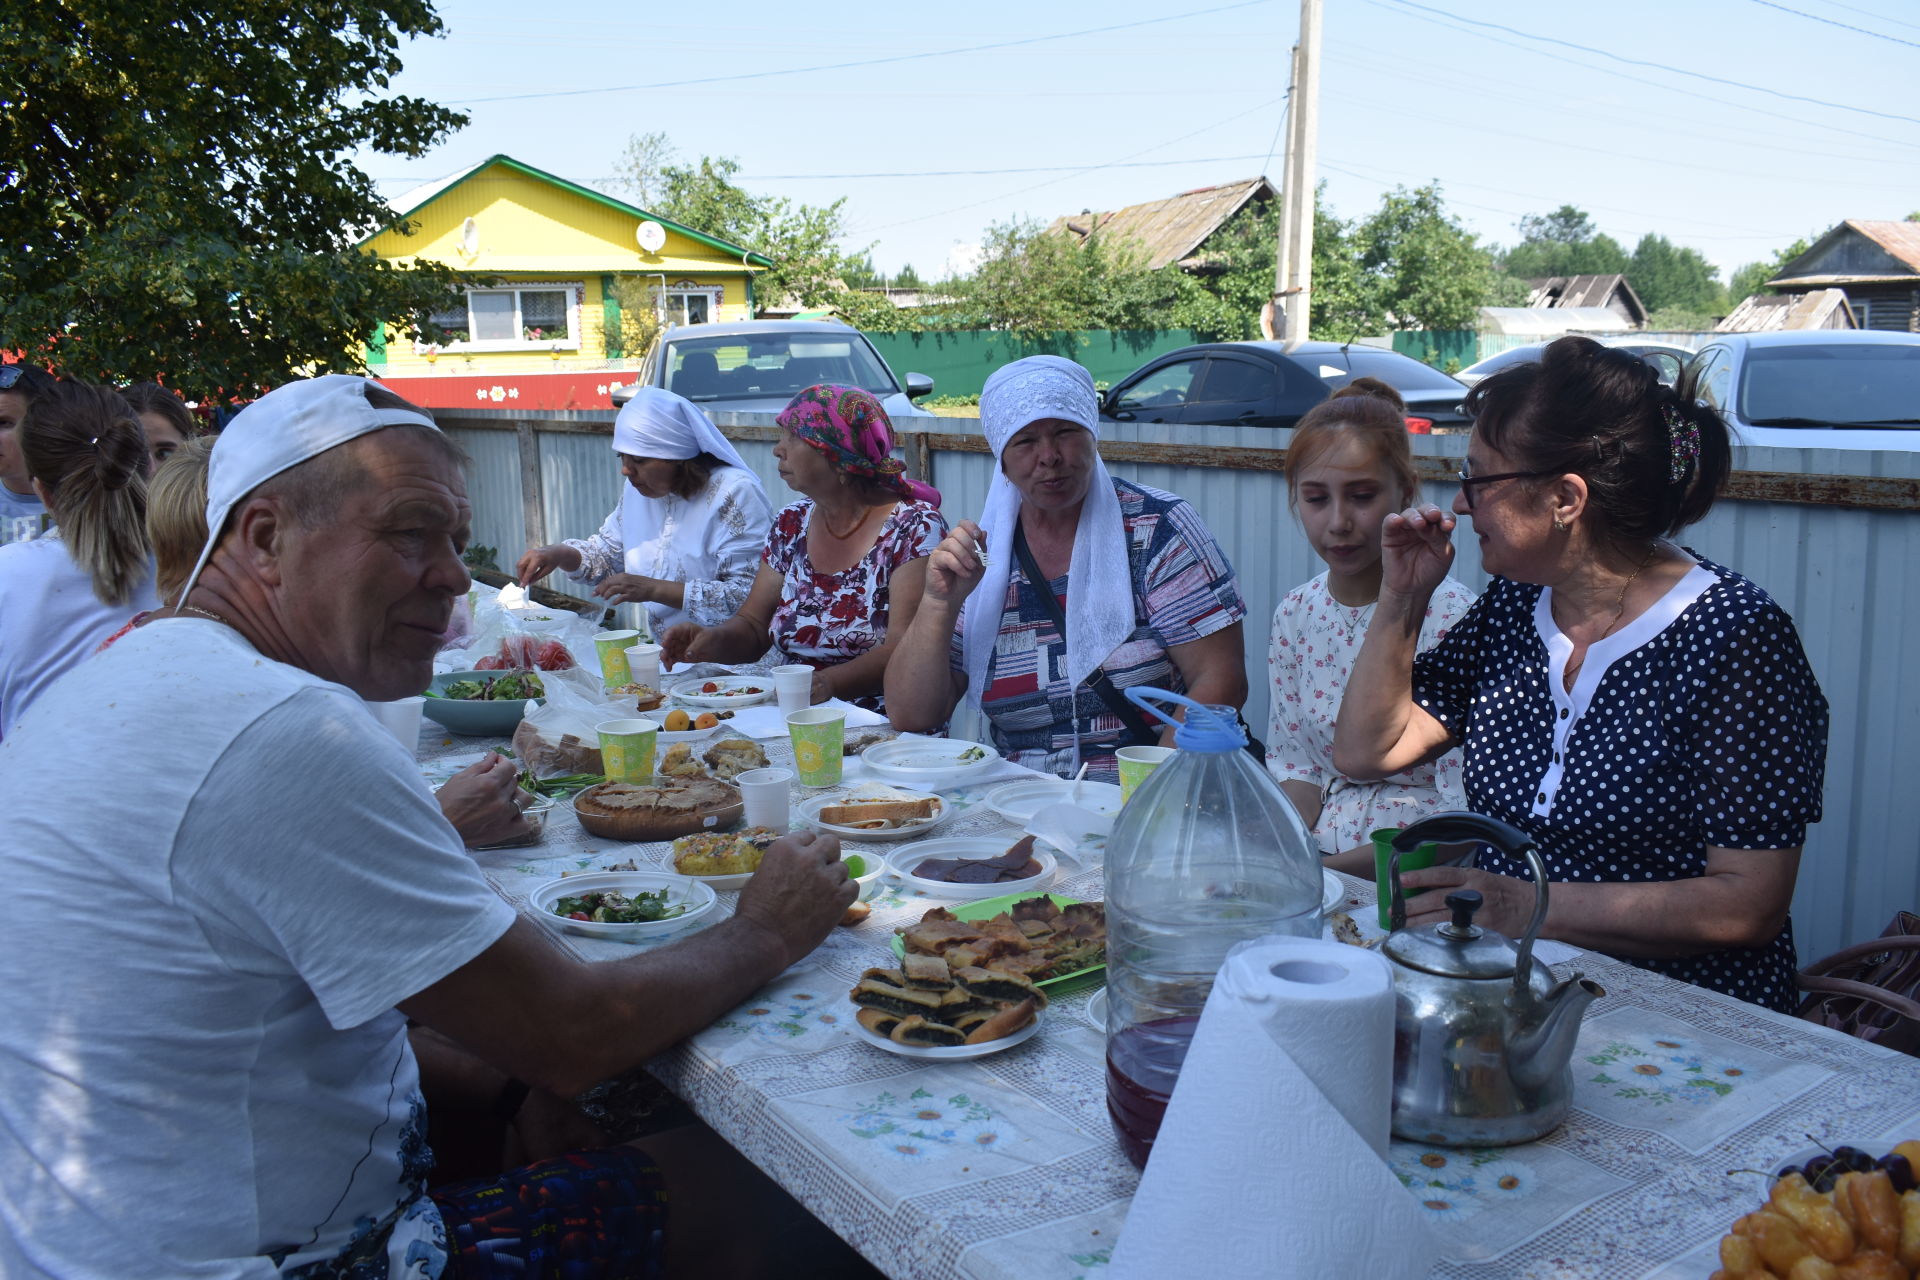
558,736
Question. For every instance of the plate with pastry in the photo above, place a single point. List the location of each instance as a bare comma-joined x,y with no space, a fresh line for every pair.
925,1009
657,810
722,860
875,813
724,691
1045,937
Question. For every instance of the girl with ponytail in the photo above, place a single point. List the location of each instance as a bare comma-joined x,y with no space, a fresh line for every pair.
64,592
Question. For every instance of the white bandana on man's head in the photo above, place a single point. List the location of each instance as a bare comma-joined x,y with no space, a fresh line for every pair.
1100,584
281,430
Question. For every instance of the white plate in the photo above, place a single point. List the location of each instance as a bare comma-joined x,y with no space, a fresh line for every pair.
810,809
932,764
1333,891
902,861
1017,802
956,1053
1096,1010
698,897
687,691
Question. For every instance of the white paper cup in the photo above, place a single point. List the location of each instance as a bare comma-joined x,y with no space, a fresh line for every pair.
402,719
793,686
766,793
643,664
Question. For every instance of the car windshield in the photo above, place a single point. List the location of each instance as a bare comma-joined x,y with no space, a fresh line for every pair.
1402,373
1838,383
772,366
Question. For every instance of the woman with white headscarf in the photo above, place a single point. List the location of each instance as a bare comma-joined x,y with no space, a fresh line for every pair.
685,540
1146,595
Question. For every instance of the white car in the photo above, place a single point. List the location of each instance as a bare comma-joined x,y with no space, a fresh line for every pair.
757,366
1813,388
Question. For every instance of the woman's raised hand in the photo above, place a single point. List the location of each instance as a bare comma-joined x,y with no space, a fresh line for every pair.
957,564
541,561
1416,550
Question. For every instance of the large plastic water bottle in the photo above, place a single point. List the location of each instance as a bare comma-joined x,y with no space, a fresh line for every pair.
1208,852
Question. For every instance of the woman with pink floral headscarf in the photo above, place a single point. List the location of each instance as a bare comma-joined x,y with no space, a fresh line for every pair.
844,567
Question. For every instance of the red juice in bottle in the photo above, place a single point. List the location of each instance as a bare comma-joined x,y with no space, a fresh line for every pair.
1143,1062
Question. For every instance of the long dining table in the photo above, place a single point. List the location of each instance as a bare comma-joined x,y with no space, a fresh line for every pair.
1005,1167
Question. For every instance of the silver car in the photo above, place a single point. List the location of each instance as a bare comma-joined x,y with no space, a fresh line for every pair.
1813,388
757,366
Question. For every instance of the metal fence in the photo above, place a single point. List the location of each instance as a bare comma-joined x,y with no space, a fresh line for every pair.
1833,535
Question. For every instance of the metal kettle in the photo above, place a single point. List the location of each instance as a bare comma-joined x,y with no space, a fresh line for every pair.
1483,1037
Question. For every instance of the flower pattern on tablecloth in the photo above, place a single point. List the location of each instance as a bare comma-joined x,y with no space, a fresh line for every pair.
1453,1186
921,1127
786,1017
1663,1072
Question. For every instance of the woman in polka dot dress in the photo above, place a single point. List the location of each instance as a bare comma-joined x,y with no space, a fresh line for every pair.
1646,715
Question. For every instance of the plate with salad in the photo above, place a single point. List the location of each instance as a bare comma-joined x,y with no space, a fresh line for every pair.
623,906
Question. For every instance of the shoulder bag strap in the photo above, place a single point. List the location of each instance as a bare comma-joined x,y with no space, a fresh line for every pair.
1144,734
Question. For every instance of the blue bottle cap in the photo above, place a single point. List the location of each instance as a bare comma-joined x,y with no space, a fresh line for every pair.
1206,728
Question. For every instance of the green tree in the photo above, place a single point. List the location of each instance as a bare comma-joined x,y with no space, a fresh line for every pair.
1035,284
1562,243
178,199
907,277
1752,278
1430,272
1668,276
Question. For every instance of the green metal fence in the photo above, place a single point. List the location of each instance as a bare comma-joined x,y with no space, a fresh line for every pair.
959,361
1449,350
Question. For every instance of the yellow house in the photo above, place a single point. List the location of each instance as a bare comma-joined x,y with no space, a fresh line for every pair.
544,330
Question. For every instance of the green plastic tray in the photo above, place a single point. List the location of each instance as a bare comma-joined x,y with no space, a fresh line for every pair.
988,908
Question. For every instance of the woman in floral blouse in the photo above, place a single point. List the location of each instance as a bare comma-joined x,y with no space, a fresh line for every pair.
1348,466
843,567
685,540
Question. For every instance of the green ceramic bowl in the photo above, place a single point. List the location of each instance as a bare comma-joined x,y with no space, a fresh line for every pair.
495,719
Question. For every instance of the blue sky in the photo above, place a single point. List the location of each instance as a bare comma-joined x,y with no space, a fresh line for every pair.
1410,93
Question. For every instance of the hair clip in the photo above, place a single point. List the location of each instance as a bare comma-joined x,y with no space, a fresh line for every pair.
1683,444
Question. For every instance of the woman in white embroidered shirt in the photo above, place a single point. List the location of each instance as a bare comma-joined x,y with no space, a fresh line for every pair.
1645,715
685,540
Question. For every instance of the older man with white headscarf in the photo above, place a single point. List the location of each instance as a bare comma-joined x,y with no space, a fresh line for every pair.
685,540
1072,586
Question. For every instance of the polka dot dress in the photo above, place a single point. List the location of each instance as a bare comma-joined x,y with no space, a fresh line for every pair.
1698,724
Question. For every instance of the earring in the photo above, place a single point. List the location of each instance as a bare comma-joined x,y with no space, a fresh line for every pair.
1559,525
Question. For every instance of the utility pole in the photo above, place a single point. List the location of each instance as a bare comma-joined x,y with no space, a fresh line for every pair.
1293,267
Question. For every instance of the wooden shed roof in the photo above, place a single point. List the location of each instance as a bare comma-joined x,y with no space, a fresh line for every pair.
1898,241
1767,312
1173,229
1586,291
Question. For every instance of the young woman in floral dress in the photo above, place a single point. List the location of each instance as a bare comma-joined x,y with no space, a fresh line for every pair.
1348,467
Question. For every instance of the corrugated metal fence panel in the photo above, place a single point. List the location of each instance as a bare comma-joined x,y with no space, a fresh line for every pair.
493,486
1844,574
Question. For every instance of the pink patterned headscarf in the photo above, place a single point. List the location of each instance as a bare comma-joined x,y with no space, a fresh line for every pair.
850,428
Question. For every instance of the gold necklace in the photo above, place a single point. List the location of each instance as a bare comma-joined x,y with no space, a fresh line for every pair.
205,613
1619,608
838,536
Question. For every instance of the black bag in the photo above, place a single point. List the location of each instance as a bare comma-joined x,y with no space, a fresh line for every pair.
1139,729
1871,991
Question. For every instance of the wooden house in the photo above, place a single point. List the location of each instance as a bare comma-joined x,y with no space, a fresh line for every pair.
1172,231
540,324
1876,263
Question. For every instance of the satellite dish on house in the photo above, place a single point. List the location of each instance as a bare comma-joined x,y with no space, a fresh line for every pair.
651,235
470,237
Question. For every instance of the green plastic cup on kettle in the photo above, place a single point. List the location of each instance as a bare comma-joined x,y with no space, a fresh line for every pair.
1415,860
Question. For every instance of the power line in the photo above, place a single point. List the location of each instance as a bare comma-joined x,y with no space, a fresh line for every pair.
1445,21
1854,8
980,173
1844,26
865,62
1092,168
1661,66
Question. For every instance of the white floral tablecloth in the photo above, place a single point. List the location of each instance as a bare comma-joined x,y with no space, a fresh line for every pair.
1004,1168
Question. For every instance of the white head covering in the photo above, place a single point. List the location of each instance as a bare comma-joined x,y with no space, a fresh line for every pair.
660,424
1100,587
282,429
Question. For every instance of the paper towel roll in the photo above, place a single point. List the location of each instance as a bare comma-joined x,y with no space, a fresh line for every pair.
1271,1159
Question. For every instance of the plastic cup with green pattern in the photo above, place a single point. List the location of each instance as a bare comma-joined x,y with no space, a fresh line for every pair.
1136,763
626,749
819,740
612,647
